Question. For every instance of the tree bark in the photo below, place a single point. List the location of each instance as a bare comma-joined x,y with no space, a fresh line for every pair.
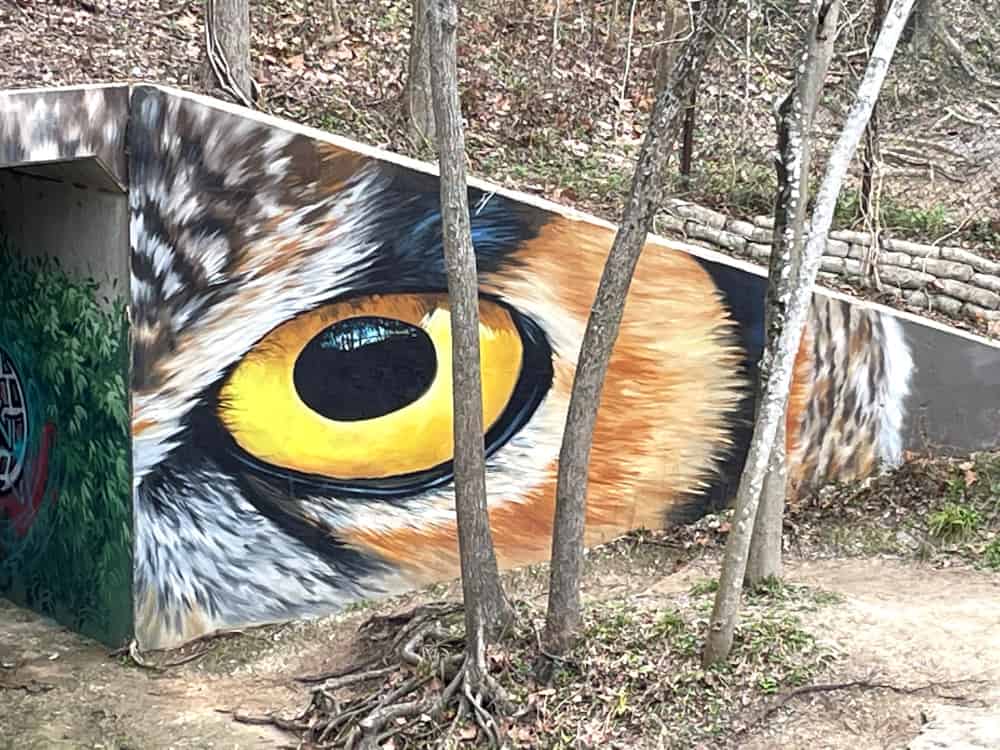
723,621
687,137
227,48
870,153
486,607
563,617
796,115
922,26
419,100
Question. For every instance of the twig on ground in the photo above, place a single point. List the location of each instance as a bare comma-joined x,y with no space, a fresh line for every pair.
864,684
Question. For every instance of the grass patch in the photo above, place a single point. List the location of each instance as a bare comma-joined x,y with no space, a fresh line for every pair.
927,509
637,676
991,555
706,586
954,523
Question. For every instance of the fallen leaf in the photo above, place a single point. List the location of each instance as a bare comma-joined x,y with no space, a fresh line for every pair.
468,732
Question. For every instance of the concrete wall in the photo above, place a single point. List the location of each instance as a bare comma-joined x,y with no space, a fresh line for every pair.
84,226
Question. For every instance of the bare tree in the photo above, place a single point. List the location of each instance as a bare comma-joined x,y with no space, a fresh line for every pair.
486,607
563,617
796,114
870,152
227,49
419,101
782,352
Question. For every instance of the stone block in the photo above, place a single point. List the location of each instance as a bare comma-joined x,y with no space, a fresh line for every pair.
945,269
700,214
904,278
740,227
986,281
837,248
758,251
832,265
978,262
968,293
855,238
913,249
899,260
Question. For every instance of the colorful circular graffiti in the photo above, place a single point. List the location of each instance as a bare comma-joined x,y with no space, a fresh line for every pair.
14,424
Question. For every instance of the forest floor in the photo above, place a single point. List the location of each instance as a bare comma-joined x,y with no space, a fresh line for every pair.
885,633
557,105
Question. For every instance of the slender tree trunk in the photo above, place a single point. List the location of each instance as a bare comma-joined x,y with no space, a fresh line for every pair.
334,10
486,607
687,138
795,120
227,48
419,100
869,154
723,621
923,25
564,616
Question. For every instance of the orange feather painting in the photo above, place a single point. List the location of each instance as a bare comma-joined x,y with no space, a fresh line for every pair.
292,427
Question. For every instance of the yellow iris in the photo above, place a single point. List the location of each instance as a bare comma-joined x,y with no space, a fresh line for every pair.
265,413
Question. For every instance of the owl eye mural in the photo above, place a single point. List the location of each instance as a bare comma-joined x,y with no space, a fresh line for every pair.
290,383
292,378
326,397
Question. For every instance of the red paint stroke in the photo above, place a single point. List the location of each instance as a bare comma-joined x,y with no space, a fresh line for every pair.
23,515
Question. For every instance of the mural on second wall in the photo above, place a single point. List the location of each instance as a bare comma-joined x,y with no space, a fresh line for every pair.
65,523
292,402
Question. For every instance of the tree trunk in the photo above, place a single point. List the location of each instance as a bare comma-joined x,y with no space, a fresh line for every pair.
723,621
419,100
486,607
227,49
564,616
795,119
687,137
922,26
869,154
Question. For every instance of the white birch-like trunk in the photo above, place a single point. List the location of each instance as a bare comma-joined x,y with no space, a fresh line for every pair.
723,621
795,118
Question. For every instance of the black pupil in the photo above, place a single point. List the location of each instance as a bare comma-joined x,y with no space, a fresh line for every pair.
366,367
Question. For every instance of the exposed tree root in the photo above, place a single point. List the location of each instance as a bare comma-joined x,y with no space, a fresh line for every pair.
865,684
428,688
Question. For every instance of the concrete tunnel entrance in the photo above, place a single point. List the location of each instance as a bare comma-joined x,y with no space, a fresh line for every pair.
65,510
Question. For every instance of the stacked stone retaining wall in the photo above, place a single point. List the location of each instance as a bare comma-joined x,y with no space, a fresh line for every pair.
950,280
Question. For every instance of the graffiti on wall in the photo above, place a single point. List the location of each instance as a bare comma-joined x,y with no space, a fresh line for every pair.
291,375
23,477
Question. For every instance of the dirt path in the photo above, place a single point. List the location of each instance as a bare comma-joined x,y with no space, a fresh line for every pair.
909,624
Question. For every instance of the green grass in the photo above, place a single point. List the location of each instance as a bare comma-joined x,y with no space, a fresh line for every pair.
991,555
954,523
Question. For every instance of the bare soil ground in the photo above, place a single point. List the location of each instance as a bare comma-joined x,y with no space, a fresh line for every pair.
896,622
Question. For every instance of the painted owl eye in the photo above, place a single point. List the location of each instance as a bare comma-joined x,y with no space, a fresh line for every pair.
361,390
